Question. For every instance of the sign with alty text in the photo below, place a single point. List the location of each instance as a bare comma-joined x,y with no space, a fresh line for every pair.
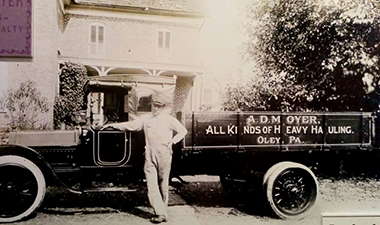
16,28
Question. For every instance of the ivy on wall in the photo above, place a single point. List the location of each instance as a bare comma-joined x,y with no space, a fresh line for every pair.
71,99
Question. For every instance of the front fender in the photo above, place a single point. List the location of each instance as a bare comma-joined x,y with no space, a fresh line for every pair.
35,157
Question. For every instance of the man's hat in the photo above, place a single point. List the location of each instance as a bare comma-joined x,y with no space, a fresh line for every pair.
158,100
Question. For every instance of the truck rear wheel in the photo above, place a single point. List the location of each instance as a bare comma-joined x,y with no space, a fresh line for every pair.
272,169
22,188
291,190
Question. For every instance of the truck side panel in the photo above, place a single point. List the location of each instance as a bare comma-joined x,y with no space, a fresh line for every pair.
276,130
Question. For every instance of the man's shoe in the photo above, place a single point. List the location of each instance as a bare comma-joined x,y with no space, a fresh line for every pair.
158,219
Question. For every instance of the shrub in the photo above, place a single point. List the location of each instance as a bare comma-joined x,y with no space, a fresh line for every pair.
25,107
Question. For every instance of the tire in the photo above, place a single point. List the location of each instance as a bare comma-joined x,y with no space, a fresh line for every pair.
22,188
291,190
272,169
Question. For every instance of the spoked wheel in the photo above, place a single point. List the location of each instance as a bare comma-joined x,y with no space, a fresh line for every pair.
291,190
22,188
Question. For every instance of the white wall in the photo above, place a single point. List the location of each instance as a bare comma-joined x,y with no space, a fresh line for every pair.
131,38
42,67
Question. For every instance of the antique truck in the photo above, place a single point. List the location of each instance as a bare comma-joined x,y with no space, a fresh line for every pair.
278,149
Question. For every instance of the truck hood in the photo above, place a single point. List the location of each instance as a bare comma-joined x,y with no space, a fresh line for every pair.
45,138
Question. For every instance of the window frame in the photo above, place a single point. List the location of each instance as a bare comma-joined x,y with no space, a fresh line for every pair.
99,47
164,46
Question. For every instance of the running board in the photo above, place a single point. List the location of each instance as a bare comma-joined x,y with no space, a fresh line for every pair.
109,189
239,180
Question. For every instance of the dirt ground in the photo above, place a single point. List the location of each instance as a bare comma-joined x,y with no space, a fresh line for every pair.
214,206
210,203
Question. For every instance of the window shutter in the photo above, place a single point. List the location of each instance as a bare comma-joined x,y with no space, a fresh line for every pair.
167,40
101,41
101,35
93,34
92,40
160,39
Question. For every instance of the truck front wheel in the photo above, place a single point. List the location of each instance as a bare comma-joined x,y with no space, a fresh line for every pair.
22,188
291,190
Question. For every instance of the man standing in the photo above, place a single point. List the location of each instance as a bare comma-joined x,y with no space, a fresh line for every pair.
158,129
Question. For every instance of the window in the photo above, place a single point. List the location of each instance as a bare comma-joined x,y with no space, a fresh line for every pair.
110,101
97,40
95,100
145,104
143,99
164,38
3,82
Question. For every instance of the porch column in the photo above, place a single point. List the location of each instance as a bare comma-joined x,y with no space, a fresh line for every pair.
197,92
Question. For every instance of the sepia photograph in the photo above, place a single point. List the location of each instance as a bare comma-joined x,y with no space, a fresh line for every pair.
196,112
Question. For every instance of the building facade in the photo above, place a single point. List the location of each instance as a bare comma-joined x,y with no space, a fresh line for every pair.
41,67
124,37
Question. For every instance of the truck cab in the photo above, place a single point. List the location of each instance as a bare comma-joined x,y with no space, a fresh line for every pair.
126,97
75,158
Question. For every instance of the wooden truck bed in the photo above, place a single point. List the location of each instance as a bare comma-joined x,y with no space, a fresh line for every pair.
277,131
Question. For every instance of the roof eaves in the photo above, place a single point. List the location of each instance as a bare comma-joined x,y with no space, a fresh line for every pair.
143,9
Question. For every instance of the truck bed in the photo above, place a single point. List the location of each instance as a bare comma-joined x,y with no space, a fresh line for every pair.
263,131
